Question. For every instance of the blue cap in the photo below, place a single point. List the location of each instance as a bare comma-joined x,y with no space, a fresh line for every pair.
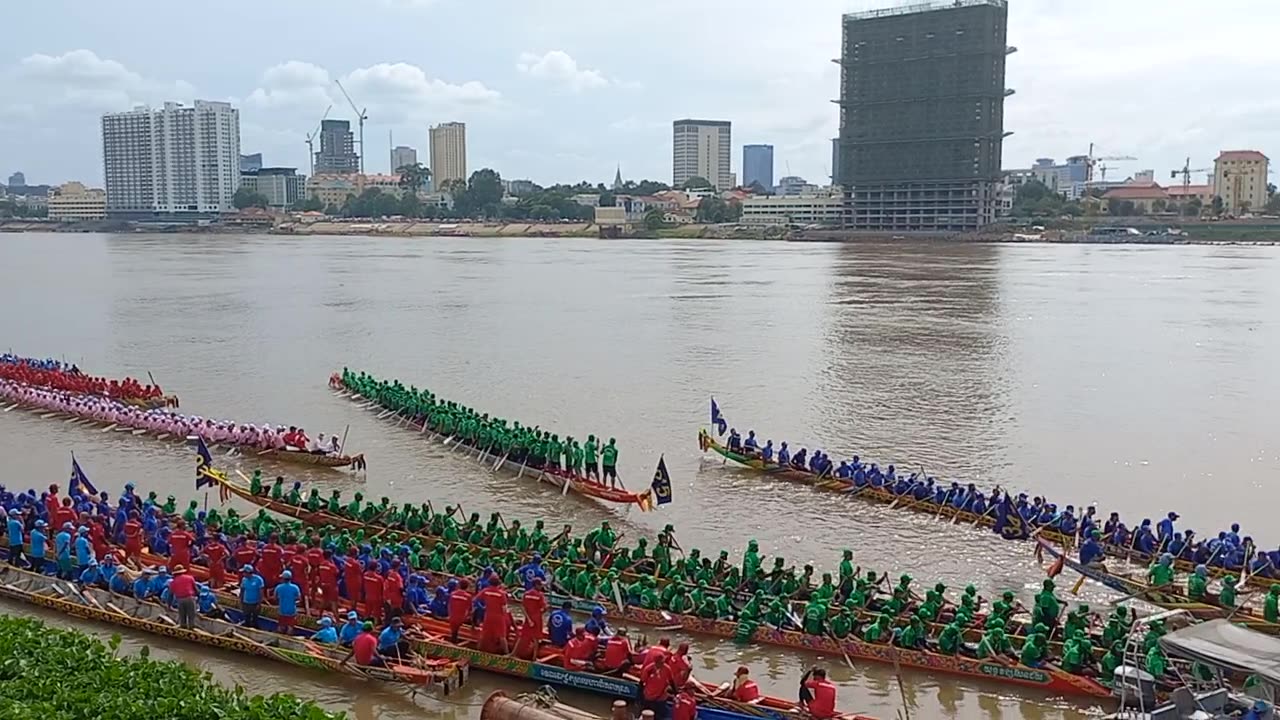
353,615
287,575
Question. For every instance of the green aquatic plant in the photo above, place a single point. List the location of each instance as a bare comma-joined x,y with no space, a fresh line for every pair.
56,674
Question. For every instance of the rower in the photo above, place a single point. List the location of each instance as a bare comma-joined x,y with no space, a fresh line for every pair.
784,455
1092,550
818,694
1164,529
750,443
766,453
735,441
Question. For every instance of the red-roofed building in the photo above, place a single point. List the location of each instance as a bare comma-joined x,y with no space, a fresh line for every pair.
1240,179
1180,194
1142,195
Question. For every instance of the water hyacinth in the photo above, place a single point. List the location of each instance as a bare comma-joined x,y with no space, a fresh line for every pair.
57,674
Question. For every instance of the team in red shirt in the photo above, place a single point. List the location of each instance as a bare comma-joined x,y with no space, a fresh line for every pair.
127,389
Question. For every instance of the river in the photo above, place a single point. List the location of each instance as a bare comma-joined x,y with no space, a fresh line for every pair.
1140,378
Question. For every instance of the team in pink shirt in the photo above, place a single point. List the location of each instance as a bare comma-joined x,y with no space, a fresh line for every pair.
157,421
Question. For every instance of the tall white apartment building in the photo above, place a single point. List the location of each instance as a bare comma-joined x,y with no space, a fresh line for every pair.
700,148
448,153
172,160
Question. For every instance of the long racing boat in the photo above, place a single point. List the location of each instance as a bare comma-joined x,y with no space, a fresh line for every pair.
1168,598
557,478
110,416
927,506
442,676
1049,678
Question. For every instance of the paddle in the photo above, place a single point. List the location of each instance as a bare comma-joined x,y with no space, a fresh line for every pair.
342,445
905,493
140,431
943,504
1263,566
11,407
498,464
1046,526
109,428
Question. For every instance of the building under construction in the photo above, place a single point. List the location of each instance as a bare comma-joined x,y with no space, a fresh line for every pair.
922,116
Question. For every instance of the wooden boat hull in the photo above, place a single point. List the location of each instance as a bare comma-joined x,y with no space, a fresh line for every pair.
557,478
306,458
1167,598
287,456
949,512
101,606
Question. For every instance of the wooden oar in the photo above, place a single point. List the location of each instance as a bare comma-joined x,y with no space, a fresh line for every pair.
942,505
905,493
498,464
140,431
11,407
163,437
1045,526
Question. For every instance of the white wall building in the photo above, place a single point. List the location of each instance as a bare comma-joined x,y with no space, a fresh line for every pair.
811,209
1240,179
701,148
173,160
448,153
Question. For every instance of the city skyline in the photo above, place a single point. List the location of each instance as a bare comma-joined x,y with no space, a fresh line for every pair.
573,103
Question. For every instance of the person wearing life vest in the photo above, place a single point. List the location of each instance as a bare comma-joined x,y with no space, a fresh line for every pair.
818,694
459,608
656,684
742,688
685,706
580,650
653,652
618,654
560,625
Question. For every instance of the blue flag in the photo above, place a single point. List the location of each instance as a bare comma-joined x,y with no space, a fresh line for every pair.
205,474
79,479
662,482
1009,524
717,419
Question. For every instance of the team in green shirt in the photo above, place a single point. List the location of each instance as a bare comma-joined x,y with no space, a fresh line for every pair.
493,437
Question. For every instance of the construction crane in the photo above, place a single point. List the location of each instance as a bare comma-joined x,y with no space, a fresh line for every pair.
311,137
1094,160
1185,172
361,116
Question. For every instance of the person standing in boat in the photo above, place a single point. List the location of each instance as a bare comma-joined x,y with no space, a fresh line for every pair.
818,694
609,459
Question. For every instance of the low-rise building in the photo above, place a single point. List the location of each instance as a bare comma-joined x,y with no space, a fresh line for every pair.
808,209
1179,194
281,186
1146,197
335,188
73,202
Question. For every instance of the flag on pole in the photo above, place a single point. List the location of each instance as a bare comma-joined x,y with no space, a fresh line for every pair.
717,419
661,482
206,474
79,479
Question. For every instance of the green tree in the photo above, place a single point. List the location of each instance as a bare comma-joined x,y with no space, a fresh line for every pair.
246,198
483,195
1160,205
1218,206
1121,208
410,206
413,177
1273,204
654,219
712,210
311,204
607,199
696,183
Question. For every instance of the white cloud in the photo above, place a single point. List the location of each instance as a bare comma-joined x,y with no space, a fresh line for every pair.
292,84
558,66
79,79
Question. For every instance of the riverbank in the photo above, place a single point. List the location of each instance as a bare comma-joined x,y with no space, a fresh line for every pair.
1264,232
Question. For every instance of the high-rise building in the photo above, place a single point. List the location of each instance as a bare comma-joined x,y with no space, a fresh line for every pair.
402,155
337,149
174,160
1240,179
18,180
922,115
251,162
757,166
448,153
701,148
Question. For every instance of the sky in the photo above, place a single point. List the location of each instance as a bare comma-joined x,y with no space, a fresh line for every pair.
568,90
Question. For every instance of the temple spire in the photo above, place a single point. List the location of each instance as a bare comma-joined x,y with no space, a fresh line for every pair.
617,179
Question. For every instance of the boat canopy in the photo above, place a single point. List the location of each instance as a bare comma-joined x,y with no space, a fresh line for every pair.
1222,644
